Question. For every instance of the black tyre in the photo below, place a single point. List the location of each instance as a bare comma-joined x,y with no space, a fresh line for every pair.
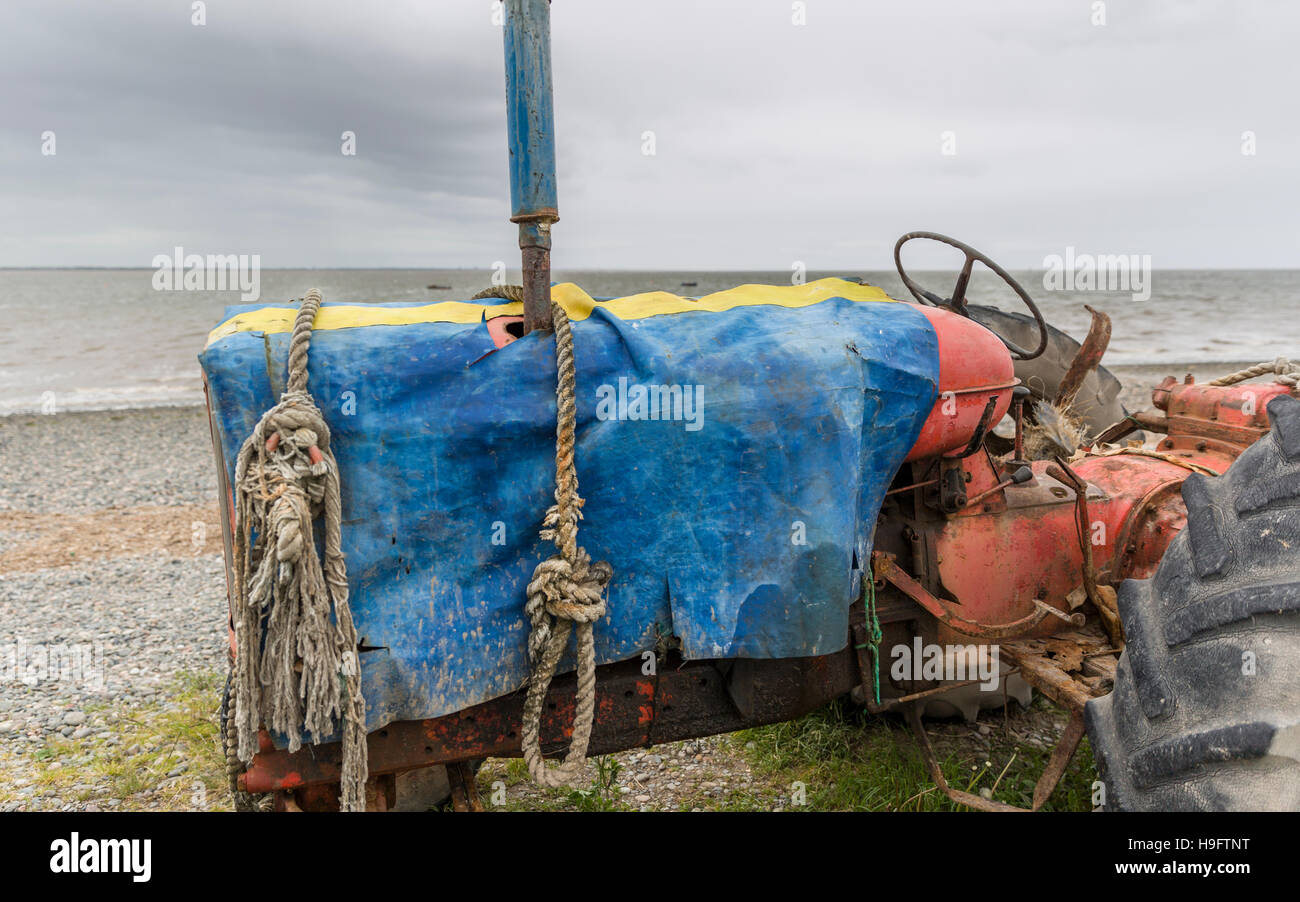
1205,713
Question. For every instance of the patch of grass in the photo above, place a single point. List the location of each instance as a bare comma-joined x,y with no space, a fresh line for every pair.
152,741
839,758
516,770
735,800
602,794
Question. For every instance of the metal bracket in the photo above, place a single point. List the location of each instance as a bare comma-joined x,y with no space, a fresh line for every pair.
1047,782
464,788
885,567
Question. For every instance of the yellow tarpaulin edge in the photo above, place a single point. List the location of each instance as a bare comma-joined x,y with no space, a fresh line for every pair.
576,302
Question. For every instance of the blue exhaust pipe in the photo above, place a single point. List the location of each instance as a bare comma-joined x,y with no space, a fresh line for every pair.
530,122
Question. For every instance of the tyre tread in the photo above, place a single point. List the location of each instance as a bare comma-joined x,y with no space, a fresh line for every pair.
1179,731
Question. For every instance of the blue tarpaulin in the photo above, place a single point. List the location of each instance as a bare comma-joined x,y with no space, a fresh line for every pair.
733,451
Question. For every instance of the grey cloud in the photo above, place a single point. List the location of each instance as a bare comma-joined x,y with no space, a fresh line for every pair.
774,142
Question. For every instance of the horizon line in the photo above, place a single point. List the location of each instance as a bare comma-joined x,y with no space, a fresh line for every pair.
614,269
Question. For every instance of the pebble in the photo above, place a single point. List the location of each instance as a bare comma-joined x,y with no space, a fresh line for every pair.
143,617
123,459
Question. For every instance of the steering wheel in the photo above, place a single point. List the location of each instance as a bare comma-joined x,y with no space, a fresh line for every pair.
957,303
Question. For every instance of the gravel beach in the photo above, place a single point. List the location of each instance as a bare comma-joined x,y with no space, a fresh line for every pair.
112,590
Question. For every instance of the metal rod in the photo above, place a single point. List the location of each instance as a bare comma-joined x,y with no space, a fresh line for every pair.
530,122
889,704
1018,396
961,797
908,488
1078,618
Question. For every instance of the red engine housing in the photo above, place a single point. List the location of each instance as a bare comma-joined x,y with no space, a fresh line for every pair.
974,366
1012,544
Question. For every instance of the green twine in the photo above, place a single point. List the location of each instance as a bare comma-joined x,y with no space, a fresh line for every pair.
874,633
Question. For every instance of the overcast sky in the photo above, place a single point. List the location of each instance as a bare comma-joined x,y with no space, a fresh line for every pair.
774,141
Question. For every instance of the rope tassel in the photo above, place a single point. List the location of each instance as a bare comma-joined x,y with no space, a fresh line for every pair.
296,666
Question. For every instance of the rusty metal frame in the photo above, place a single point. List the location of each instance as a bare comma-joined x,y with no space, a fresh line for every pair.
892,704
1042,674
1047,678
885,566
1043,789
1086,359
683,700
464,789
1062,753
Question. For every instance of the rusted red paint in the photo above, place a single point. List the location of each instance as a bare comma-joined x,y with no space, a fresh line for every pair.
1021,542
950,616
995,558
974,365
1223,419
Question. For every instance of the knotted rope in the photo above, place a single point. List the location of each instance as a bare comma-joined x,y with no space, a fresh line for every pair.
299,671
567,588
1287,373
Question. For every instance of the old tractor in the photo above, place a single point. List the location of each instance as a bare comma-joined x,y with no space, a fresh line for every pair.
1141,570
